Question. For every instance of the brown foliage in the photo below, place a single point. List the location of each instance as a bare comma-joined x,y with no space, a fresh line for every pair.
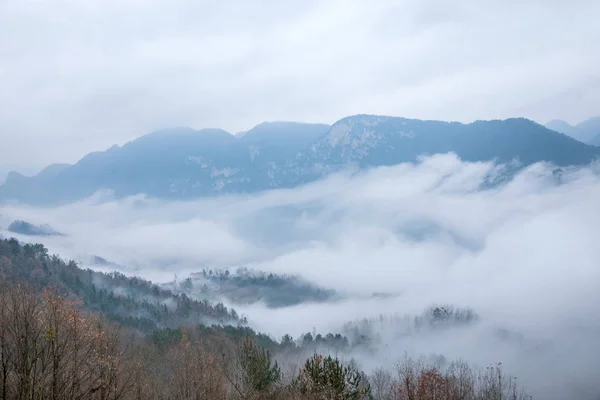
416,381
51,349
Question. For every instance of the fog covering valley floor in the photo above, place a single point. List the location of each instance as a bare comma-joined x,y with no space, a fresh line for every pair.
376,250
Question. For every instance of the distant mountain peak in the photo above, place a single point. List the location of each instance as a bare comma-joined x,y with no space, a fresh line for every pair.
558,122
368,119
356,131
285,128
14,176
585,131
48,172
591,124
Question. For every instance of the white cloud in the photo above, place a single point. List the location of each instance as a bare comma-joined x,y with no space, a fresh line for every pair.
78,76
524,256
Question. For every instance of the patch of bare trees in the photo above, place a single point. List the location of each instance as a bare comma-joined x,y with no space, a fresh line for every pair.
416,380
51,349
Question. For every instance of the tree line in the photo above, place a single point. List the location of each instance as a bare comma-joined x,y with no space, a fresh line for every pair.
51,348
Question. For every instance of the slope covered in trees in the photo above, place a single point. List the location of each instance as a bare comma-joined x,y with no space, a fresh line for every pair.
246,286
65,333
131,301
50,348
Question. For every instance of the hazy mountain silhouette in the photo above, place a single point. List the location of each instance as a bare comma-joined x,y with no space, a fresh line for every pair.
186,163
587,131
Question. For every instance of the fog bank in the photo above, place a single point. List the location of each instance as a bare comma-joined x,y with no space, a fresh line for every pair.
523,256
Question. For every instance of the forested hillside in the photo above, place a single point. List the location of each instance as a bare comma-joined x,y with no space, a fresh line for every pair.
130,301
57,341
50,348
244,286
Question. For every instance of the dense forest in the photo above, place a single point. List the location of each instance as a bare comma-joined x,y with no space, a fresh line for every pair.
59,340
245,286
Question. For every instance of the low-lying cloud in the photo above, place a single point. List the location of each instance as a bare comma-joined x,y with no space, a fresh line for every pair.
524,256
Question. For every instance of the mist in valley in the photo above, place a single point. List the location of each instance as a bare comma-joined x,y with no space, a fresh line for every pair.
388,244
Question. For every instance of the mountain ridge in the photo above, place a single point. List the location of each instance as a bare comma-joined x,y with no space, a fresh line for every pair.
183,163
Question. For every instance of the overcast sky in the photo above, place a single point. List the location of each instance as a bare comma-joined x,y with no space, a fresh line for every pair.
81,75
